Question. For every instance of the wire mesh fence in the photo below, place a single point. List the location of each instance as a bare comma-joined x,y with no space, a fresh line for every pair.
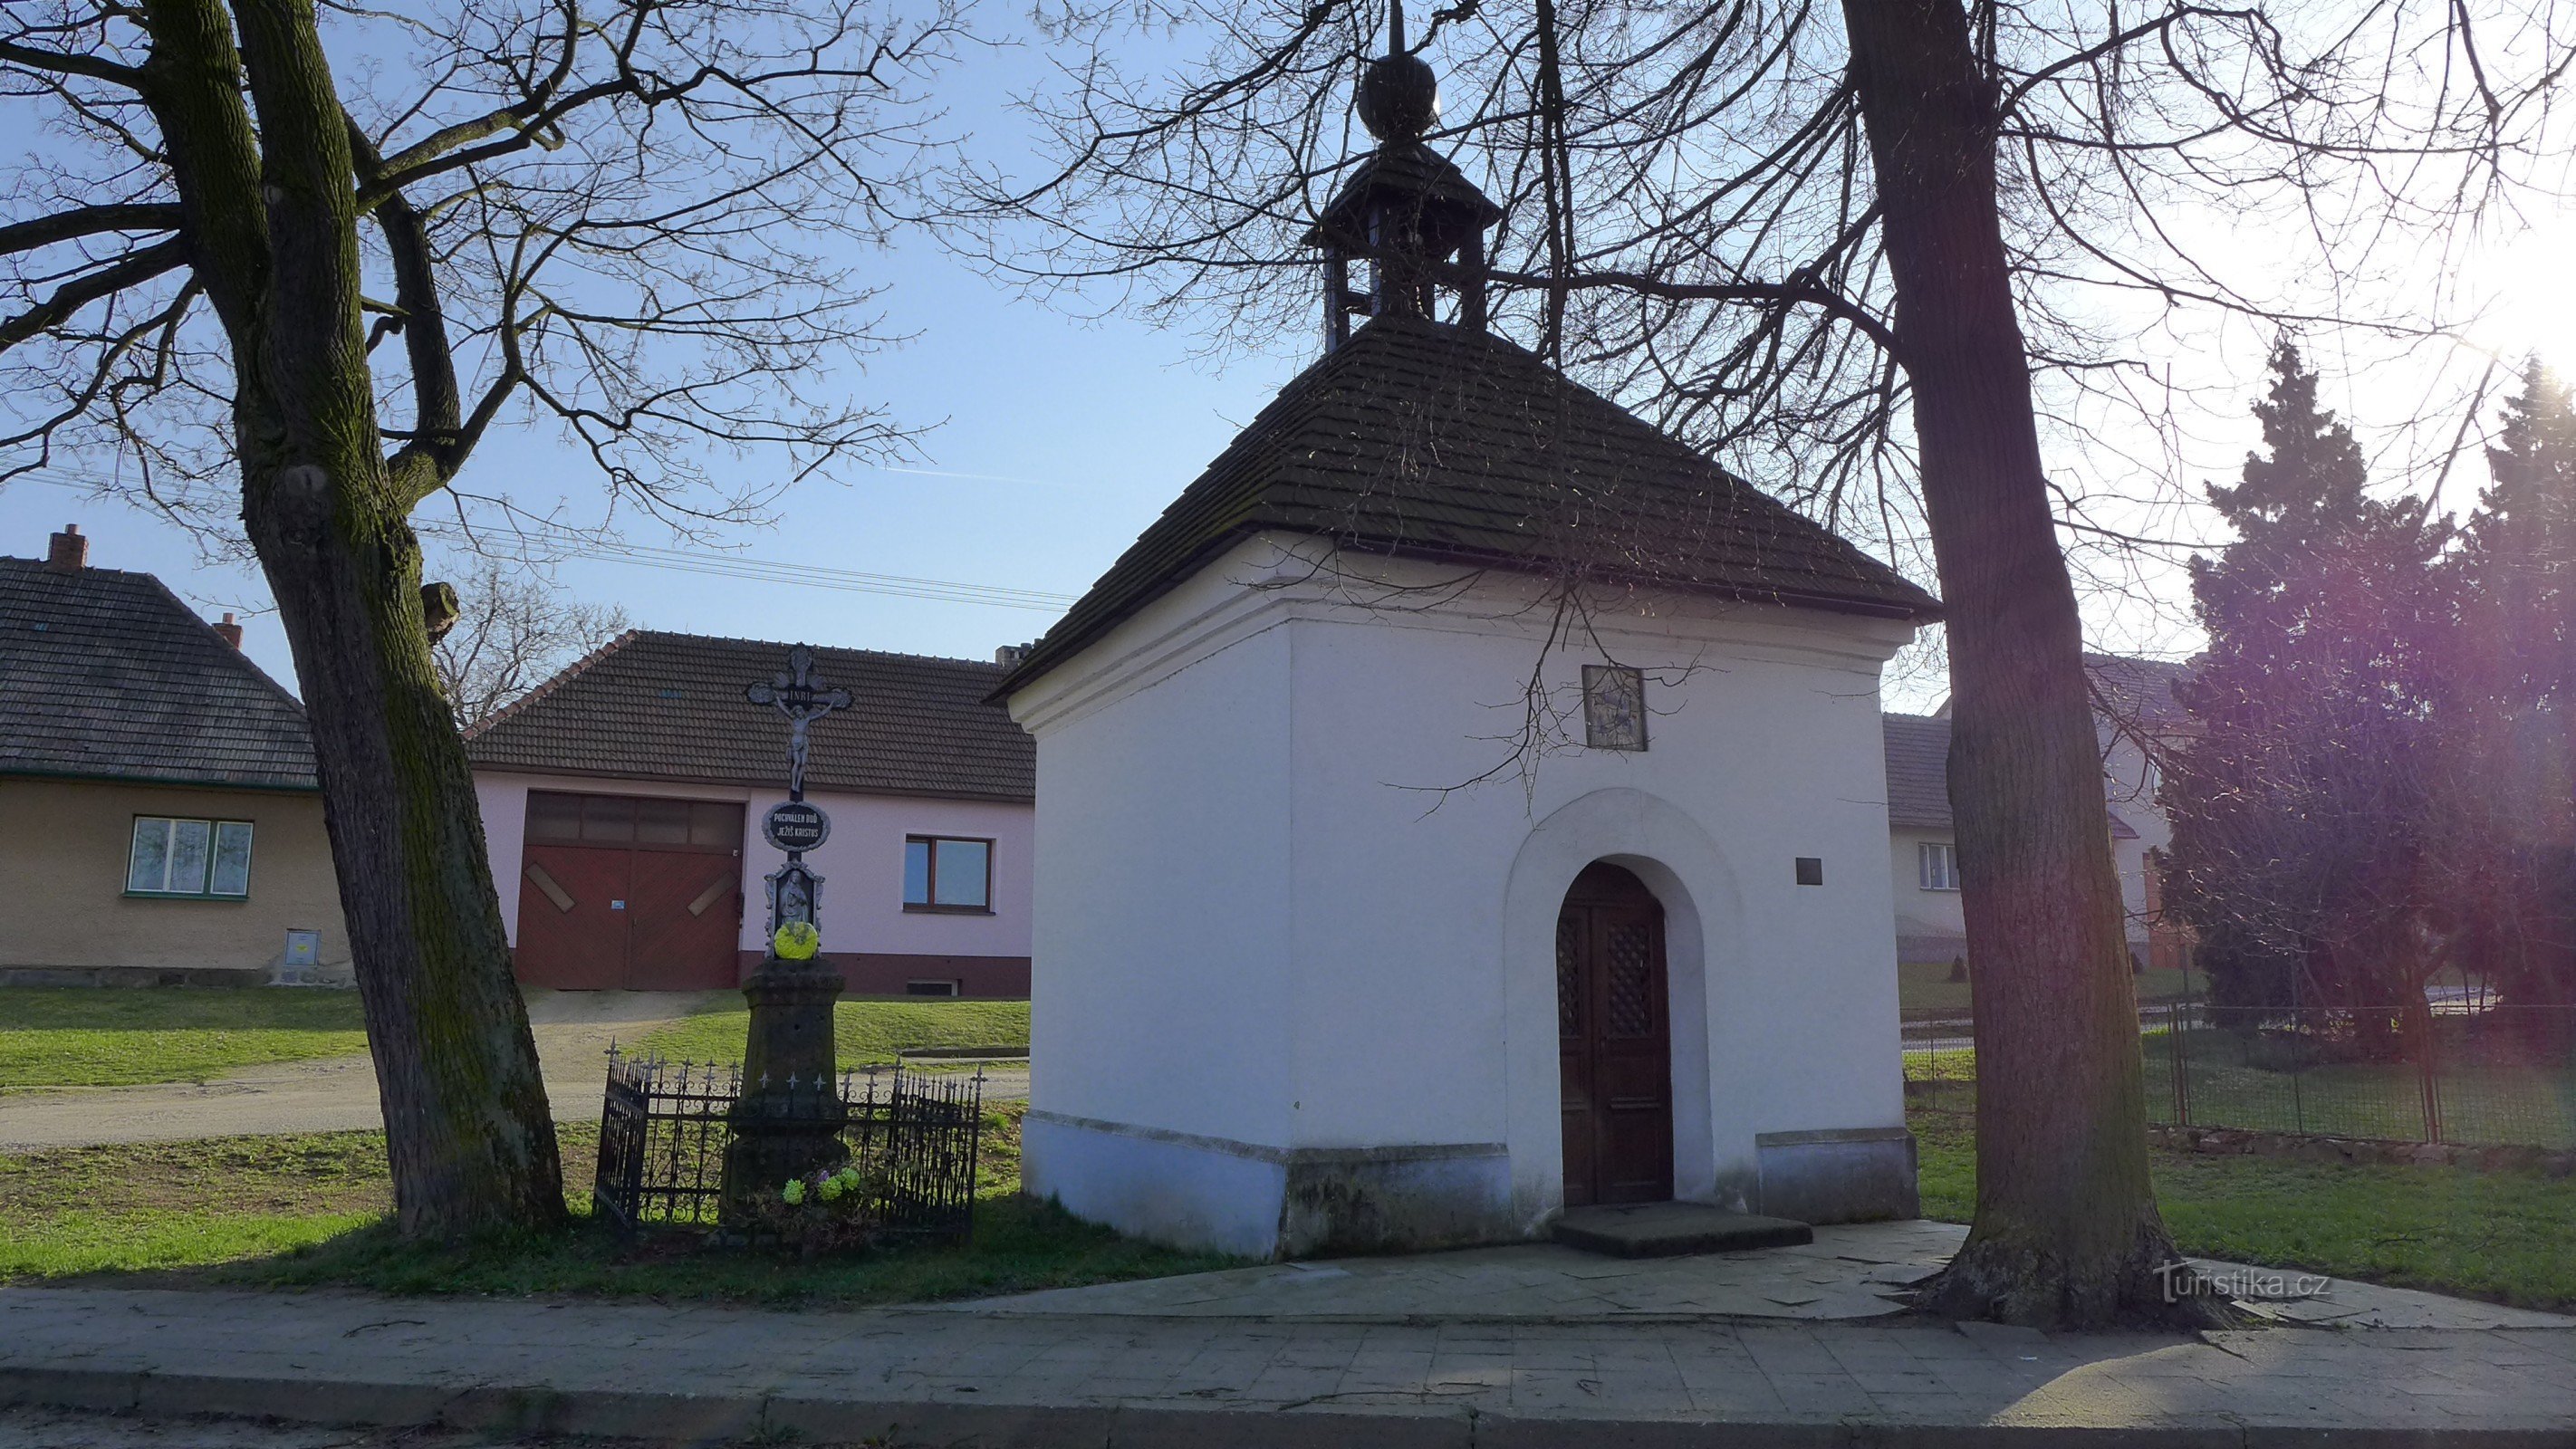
2459,1071
665,1126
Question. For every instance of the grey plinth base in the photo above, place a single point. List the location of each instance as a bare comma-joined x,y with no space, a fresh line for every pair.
1671,1229
788,1120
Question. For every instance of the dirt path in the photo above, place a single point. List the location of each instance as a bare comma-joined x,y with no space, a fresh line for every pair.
336,1094
574,1030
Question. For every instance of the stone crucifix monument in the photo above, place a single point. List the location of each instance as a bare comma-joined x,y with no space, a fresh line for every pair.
788,1119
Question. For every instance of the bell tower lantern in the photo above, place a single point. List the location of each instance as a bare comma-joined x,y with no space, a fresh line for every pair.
1407,214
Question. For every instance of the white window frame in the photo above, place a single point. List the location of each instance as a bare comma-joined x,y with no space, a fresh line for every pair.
1936,864
204,887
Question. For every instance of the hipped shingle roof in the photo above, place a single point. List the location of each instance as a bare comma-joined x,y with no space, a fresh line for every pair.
1419,439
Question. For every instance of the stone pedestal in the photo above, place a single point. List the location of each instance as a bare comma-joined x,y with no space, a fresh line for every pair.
788,1120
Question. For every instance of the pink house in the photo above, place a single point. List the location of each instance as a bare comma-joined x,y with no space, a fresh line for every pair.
622,801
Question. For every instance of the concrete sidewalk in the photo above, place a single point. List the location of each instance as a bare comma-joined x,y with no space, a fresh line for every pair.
951,1378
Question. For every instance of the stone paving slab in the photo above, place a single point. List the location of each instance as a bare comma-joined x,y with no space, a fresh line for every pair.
1850,1272
915,1377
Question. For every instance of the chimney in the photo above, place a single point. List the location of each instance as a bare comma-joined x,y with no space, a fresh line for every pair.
228,631
1010,655
68,552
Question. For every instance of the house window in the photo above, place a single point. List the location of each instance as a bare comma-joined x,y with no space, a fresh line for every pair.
1614,707
943,873
201,858
1940,865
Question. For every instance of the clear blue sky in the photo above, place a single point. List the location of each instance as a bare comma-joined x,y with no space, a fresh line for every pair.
1080,433
1075,434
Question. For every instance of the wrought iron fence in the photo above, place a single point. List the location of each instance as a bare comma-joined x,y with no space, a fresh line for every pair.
662,1135
664,1128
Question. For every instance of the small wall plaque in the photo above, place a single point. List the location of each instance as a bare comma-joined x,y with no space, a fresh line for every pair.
1614,707
1811,870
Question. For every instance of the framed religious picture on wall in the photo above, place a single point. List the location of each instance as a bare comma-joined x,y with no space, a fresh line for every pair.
1614,707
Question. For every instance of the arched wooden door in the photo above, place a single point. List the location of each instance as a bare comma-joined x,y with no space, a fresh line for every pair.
1614,1040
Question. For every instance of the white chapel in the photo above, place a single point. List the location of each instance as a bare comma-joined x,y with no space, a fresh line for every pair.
1464,803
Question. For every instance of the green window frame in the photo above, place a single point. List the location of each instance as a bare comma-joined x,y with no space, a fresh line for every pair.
180,857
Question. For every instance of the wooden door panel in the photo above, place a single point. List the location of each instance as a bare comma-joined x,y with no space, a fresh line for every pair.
1614,1041
572,929
685,921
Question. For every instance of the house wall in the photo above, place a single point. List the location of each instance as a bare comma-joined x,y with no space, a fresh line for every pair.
1374,954
63,852
866,931
2131,789
1930,925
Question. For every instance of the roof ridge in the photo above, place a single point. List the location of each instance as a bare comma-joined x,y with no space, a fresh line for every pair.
548,686
37,563
984,664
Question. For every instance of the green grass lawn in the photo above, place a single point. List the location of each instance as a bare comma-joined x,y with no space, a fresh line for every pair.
78,1036
2501,1236
310,1211
865,1029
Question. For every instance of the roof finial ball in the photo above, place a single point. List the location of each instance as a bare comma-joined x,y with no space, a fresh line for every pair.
1405,211
1399,97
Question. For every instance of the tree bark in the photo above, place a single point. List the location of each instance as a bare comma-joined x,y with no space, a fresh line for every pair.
2066,1231
471,1143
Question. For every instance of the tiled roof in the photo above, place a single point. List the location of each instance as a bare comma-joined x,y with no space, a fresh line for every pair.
656,706
1918,774
107,674
1918,771
2136,695
1420,439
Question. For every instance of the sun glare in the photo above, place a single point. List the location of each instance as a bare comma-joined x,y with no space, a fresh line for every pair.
2530,289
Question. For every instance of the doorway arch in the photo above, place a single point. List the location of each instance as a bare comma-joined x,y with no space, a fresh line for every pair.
1662,846
1614,1040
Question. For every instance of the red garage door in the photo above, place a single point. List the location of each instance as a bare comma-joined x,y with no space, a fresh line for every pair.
623,891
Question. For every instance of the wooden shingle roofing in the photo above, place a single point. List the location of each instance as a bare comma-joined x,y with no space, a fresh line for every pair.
106,674
1420,439
657,706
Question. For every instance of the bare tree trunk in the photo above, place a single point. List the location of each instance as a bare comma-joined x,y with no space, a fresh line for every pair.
471,1142
2066,1231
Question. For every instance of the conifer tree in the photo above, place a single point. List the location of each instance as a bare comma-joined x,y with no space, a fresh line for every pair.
2302,844
2510,700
